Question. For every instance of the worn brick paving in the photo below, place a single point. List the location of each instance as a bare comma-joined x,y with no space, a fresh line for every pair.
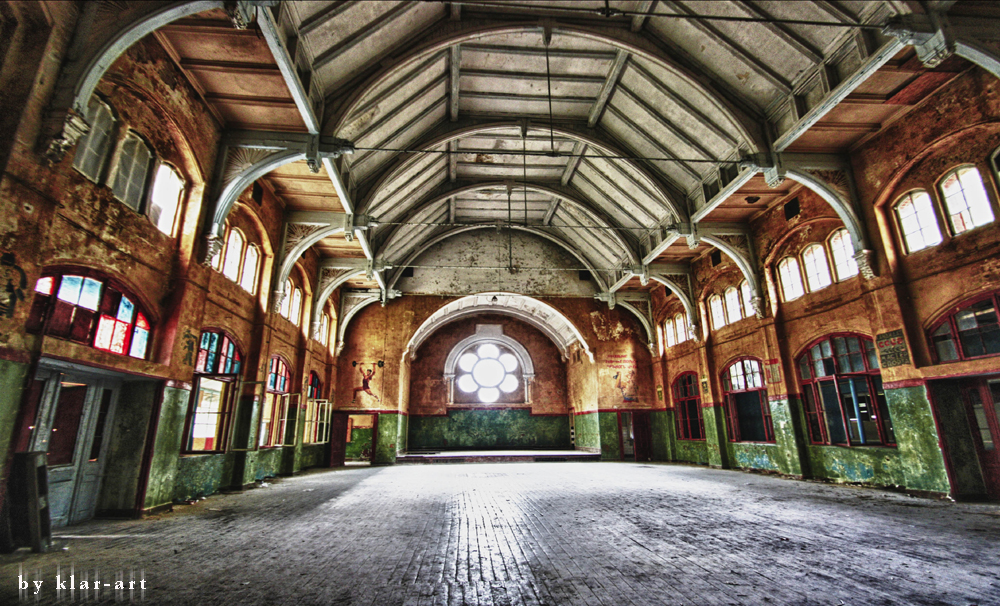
542,533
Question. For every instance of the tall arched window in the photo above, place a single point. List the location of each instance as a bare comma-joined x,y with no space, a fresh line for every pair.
92,149
687,404
842,248
168,187
748,415
747,295
286,301
659,333
975,324
248,275
132,172
315,388
790,279
681,327
90,310
668,330
733,311
295,311
917,221
966,200
233,255
718,312
842,389
488,367
817,270
214,395
274,415
316,428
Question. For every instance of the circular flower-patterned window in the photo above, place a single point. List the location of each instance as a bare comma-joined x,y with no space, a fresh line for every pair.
487,371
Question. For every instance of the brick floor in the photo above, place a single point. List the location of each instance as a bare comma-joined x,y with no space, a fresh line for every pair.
541,533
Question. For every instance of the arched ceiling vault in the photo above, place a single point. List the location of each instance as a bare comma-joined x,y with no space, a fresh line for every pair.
625,138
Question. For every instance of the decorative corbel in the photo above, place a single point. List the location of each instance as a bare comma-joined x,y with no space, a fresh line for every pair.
863,258
213,246
73,128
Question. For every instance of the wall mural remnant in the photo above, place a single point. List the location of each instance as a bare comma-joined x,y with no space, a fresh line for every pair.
366,378
622,369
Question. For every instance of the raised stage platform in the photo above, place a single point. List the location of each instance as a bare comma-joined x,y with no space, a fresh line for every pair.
497,456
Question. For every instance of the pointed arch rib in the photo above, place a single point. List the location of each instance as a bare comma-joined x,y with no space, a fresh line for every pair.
681,294
232,189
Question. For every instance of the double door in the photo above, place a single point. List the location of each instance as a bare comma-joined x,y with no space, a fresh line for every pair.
982,401
73,420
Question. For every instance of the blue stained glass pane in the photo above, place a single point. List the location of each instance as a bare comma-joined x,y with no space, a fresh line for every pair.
90,294
236,367
126,310
271,379
69,289
139,338
206,338
210,361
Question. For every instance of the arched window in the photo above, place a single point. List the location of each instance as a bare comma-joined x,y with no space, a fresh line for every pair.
817,270
733,311
681,327
842,248
659,333
165,198
295,312
274,415
214,395
91,311
747,295
248,275
976,327
965,198
687,404
324,329
718,312
488,371
315,386
668,330
790,278
286,301
233,255
748,415
132,172
92,150
917,221
842,390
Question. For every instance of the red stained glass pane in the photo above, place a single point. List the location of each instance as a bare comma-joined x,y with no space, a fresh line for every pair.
105,330
119,340
45,286
141,322
202,357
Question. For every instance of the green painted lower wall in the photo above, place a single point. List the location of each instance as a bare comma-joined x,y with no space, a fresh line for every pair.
588,432
267,462
198,476
167,448
385,451
754,455
13,377
503,429
917,439
310,455
715,436
610,441
691,451
361,440
864,465
662,425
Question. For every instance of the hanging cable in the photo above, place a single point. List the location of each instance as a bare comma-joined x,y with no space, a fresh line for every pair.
549,154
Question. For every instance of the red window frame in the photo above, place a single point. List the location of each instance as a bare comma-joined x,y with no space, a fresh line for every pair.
114,323
219,359
687,398
954,336
315,388
850,372
732,405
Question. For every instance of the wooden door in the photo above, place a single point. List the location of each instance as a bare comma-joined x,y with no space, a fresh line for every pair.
626,436
982,400
338,439
73,420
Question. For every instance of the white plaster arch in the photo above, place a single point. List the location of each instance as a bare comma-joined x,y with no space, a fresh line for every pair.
840,206
681,293
643,320
522,355
551,322
746,268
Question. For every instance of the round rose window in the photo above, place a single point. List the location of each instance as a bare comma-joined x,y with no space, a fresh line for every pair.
487,371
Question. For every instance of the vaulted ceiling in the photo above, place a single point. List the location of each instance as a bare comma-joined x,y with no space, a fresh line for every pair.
607,127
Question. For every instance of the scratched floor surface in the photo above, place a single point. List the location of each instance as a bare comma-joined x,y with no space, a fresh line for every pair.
542,533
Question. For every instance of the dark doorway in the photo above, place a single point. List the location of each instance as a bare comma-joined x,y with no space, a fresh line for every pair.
982,401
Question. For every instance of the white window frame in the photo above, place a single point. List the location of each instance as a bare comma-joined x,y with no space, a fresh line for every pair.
718,312
925,218
788,270
816,267
980,221
734,311
841,249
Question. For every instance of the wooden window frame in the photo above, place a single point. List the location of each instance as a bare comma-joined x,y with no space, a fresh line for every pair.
949,319
682,402
849,250
899,220
732,415
781,278
946,210
821,256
